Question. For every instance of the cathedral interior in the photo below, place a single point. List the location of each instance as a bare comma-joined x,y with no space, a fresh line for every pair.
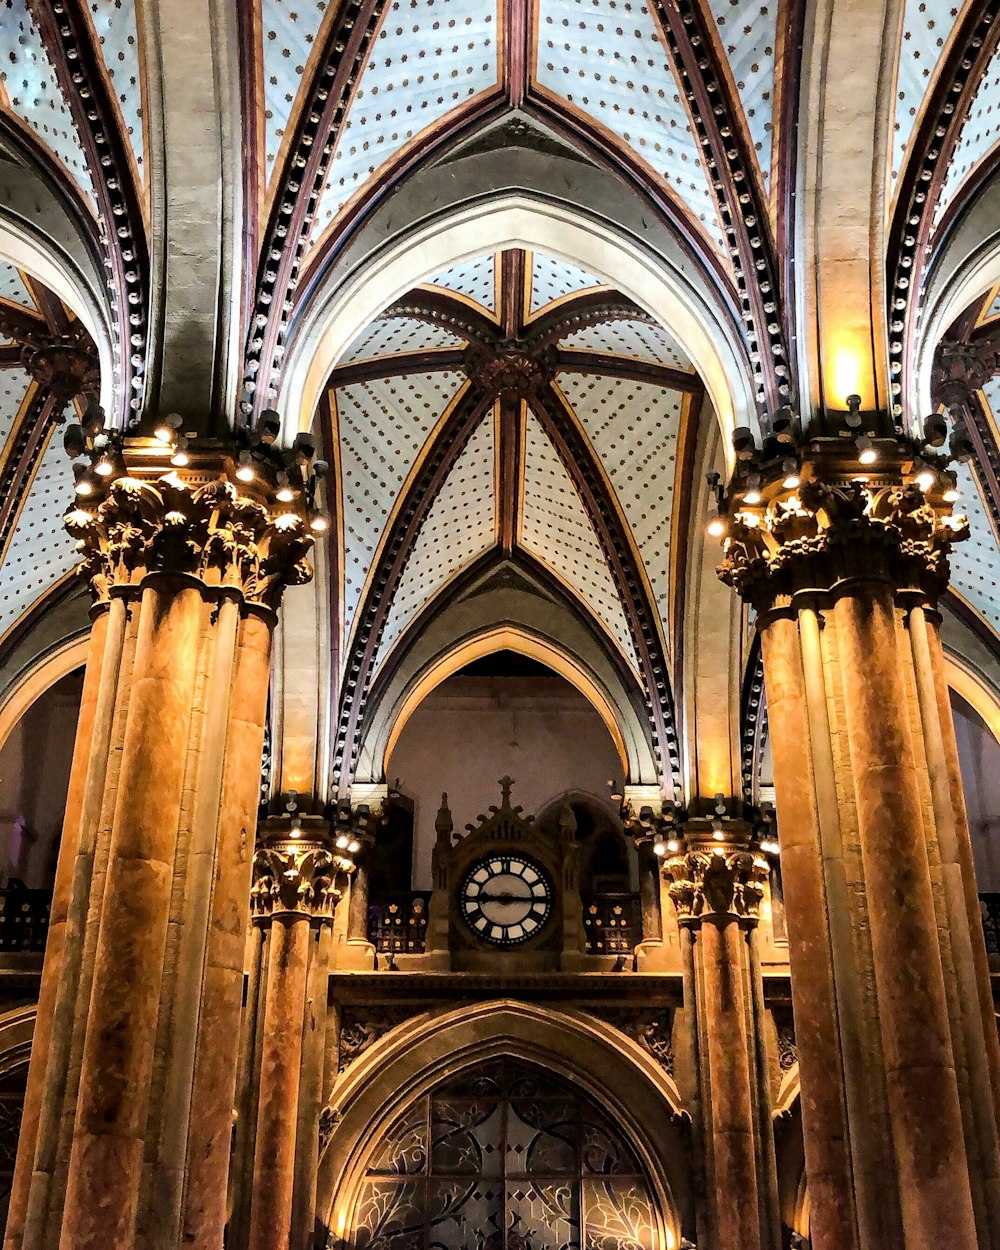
500,624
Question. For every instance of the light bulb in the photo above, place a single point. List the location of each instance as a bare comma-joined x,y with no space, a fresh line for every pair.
752,497
673,845
659,848
342,842
354,847
244,471
792,481
104,467
319,524
84,486
926,480
951,494
180,458
163,433
717,527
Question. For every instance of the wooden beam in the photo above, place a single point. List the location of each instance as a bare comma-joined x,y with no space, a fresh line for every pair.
569,360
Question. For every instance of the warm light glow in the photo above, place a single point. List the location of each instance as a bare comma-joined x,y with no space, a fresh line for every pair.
245,473
718,850
84,486
926,480
718,834
868,455
180,458
342,842
952,494
284,494
752,497
659,848
673,845
164,434
319,524
353,847
792,482
847,371
770,848
716,527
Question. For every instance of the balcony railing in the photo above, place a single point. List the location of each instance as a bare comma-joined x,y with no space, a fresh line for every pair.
24,919
612,923
397,924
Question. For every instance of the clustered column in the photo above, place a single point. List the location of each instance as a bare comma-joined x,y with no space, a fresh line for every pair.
894,1020
129,1105
299,877
716,886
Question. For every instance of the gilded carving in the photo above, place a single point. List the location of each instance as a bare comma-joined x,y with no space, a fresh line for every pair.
716,884
290,879
824,534
211,532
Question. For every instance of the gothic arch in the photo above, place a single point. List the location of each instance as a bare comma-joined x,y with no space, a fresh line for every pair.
335,317
411,1058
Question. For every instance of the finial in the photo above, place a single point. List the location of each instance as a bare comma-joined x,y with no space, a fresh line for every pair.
444,824
506,784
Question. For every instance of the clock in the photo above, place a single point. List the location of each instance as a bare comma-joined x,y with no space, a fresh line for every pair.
505,899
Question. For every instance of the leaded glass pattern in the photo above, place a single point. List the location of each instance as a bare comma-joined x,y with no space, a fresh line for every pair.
505,1156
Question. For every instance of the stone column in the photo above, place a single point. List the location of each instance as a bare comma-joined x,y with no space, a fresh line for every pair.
189,569
297,882
715,885
844,571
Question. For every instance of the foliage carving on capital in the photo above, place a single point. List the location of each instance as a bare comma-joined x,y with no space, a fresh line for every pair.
210,531
827,533
716,885
303,880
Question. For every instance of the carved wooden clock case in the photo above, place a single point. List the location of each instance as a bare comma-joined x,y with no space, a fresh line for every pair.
506,894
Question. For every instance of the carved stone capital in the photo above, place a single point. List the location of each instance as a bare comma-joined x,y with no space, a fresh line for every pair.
66,364
828,533
198,526
299,878
716,884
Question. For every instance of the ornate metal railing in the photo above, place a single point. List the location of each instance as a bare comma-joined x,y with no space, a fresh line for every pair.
24,918
397,924
612,923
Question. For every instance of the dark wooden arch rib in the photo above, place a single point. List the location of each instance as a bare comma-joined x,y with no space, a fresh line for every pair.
561,427
68,36
523,560
717,114
922,180
487,338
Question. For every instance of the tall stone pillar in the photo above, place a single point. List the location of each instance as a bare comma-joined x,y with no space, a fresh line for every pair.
897,1051
132,1096
299,876
716,886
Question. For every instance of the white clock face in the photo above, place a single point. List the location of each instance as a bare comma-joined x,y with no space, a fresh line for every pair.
505,899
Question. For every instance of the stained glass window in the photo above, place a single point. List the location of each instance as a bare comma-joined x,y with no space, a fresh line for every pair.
505,1156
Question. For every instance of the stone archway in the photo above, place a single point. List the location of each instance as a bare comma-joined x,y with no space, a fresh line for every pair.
609,1072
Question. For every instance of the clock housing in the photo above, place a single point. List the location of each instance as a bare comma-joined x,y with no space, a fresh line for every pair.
506,898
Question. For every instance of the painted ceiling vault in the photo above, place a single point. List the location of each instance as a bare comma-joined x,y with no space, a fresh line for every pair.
512,407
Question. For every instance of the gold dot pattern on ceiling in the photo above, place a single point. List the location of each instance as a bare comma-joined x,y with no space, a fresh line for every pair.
475,279
115,25
40,550
633,428
14,385
460,525
383,426
553,279
975,564
927,27
978,137
396,335
13,289
606,58
636,340
748,32
289,32
430,57
556,528
34,94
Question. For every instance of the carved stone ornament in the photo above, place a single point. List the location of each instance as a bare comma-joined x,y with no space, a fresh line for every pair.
362,1027
651,1028
291,879
66,364
716,884
209,531
824,535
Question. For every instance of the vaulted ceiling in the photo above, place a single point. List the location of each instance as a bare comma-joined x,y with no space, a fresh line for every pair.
512,409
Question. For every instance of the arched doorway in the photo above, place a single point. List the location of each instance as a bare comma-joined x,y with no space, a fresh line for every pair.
505,1155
